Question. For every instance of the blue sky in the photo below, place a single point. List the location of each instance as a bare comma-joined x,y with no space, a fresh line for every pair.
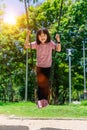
15,6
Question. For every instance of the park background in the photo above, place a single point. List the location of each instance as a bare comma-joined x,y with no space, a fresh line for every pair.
69,66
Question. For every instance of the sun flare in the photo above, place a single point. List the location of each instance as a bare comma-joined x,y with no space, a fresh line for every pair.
10,19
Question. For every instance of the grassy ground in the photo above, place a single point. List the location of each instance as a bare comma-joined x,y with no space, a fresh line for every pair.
29,109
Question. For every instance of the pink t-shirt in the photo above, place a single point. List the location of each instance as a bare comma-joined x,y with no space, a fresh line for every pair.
44,53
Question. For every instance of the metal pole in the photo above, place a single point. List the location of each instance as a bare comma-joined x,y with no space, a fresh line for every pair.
84,69
26,88
26,3
69,54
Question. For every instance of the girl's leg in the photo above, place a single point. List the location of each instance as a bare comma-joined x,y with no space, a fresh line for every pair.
43,93
43,75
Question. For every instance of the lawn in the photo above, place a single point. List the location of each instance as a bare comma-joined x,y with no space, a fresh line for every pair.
29,109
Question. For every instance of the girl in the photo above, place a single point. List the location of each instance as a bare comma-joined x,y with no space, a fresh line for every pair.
44,46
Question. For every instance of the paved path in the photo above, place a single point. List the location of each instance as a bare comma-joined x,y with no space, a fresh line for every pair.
12,123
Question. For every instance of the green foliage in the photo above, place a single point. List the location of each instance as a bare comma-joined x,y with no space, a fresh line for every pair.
73,32
84,103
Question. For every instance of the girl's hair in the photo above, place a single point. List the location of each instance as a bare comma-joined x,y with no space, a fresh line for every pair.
45,31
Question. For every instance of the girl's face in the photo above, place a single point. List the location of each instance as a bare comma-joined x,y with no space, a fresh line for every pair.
42,38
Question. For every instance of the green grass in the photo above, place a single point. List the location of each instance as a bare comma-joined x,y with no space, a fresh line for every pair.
29,109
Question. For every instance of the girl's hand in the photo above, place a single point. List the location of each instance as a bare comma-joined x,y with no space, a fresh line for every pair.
57,38
27,45
27,36
58,47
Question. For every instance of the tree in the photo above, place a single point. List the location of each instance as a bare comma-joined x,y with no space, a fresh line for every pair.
72,30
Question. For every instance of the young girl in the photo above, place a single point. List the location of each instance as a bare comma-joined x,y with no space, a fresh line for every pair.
44,46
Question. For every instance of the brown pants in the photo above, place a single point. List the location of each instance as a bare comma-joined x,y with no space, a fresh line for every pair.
43,75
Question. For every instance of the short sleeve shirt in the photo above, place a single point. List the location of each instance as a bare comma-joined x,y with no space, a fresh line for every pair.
44,53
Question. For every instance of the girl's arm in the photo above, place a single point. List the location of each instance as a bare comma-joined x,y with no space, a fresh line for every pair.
58,46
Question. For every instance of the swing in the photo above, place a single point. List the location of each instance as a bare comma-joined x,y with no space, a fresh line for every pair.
41,78
26,3
55,56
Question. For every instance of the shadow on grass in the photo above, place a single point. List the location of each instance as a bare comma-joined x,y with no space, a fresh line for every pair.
52,129
13,127
1,103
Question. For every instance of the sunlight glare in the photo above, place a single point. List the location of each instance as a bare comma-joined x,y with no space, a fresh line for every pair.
10,19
